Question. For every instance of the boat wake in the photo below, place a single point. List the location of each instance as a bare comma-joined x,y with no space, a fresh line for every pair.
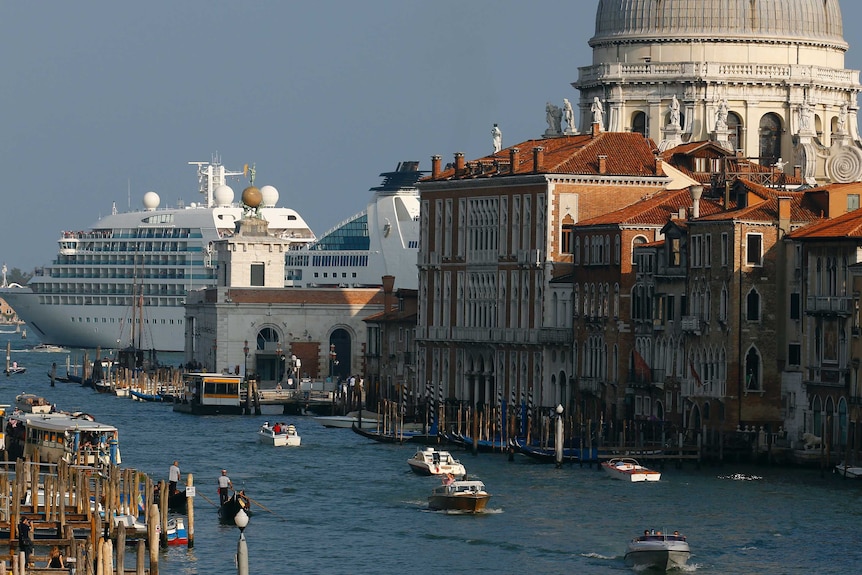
598,556
741,477
687,568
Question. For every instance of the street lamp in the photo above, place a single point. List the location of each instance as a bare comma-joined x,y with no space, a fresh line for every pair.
295,365
241,520
245,353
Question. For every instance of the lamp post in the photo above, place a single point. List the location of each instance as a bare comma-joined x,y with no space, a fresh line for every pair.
558,437
278,358
245,353
295,366
241,520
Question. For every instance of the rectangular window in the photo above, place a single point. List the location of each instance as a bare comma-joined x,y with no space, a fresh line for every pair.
754,249
675,259
671,302
794,354
852,202
724,246
795,306
707,250
257,275
696,246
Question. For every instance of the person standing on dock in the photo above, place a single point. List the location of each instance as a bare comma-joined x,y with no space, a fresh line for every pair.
224,486
173,477
25,540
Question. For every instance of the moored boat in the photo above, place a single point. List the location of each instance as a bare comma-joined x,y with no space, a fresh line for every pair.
362,418
51,437
654,550
466,495
210,394
849,471
431,461
628,469
177,534
279,435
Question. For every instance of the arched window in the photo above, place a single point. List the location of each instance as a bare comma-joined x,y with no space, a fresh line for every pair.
734,130
752,370
637,241
770,139
752,306
639,124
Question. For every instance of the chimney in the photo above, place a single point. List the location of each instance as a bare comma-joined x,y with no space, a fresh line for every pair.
727,195
603,163
784,214
597,129
659,166
459,164
538,159
388,288
797,172
435,166
696,192
514,158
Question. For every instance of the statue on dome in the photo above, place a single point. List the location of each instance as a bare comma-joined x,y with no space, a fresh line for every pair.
842,120
673,112
804,116
598,112
721,115
554,117
569,116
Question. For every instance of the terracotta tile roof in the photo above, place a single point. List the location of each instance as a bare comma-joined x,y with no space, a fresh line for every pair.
654,210
766,210
845,226
679,155
628,154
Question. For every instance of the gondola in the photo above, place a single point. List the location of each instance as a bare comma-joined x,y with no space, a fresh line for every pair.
228,510
549,455
401,437
177,502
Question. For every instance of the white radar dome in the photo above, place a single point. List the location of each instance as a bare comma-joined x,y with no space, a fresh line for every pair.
270,196
151,200
223,195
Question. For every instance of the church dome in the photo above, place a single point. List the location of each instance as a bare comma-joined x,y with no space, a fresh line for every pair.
799,21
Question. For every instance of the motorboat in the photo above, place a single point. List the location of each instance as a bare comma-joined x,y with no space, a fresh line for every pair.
177,534
15,369
48,348
654,550
431,461
628,469
279,435
134,527
465,495
31,403
849,471
362,419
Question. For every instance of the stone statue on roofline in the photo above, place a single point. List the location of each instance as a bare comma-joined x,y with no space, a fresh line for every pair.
673,112
569,116
598,112
497,137
554,117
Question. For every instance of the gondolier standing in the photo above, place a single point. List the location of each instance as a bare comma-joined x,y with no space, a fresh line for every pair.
224,485
173,477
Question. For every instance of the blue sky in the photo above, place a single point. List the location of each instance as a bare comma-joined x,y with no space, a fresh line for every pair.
102,101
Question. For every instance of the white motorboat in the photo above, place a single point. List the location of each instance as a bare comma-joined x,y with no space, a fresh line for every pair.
654,550
46,347
278,435
849,471
362,419
628,469
431,461
468,496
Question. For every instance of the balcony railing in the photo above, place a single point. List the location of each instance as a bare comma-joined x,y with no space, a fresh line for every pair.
591,385
841,305
556,335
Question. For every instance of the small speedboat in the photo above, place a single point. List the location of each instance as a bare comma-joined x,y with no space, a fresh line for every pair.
431,461
15,369
654,550
279,435
628,469
849,471
468,496
31,403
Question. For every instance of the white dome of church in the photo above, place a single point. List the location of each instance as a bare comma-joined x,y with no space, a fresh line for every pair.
815,21
762,78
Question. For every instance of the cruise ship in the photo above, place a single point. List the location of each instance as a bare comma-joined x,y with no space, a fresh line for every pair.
124,281
381,240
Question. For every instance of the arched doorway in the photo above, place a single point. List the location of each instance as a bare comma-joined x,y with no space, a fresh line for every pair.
734,131
639,123
770,139
339,354
267,361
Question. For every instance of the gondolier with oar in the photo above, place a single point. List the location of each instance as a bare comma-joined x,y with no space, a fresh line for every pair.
224,487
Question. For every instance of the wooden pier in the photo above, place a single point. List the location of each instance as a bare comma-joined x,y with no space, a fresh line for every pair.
68,505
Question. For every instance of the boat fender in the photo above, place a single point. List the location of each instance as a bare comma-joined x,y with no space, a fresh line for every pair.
436,469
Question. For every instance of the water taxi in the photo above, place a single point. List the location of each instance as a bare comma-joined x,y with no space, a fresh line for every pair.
51,437
210,394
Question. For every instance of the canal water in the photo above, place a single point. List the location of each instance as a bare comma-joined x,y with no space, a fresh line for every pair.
343,504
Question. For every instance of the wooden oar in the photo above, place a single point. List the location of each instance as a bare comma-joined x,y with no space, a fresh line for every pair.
259,505
208,500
